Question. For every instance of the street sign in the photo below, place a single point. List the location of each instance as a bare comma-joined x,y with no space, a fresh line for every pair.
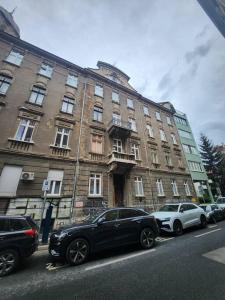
46,185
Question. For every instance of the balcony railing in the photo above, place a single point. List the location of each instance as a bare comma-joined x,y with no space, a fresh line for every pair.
121,162
119,128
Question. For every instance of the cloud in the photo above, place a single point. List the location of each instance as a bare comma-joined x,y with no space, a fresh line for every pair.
165,81
203,32
198,52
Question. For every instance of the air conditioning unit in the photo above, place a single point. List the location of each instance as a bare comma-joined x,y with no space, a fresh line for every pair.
27,176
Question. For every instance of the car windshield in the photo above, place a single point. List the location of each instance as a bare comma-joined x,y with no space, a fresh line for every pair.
221,200
169,208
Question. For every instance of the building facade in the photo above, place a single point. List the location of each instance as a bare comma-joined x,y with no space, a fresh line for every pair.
192,155
88,132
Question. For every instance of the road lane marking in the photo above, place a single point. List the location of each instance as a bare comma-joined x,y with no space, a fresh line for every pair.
119,260
217,255
212,226
199,235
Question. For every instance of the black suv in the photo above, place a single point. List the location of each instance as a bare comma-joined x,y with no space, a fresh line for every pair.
18,239
109,229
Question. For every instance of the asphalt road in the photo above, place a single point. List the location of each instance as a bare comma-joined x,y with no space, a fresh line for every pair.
189,267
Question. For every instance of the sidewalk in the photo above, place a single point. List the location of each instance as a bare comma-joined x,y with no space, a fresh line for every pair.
42,247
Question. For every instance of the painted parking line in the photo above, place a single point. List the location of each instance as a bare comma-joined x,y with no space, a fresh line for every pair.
118,260
212,226
208,232
162,239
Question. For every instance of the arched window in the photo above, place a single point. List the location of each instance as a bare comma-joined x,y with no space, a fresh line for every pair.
5,82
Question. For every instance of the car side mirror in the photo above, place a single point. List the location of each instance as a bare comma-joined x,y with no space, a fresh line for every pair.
100,221
181,210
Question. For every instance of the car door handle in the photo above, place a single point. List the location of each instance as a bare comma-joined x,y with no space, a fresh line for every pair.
116,225
137,221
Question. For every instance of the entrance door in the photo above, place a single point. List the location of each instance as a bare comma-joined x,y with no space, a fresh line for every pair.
118,181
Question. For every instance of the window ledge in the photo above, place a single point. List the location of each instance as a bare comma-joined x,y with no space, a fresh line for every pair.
102,97
60,148
48,77
53,196
131,108
12,64
19,141
95,196
72,86
2,103
66,113
161,196
113,101
139,196
3,95
35,104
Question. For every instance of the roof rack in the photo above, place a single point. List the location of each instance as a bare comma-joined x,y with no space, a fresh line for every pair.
174,201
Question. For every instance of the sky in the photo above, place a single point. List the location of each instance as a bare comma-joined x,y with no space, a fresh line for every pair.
171,50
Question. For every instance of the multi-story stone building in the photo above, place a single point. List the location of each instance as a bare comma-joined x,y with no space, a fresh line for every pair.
192,155
88,131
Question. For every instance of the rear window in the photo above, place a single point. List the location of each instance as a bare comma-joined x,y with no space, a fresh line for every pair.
130,213
220,200
4,225
18,224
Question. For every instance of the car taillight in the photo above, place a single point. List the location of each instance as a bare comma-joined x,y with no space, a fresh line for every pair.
31,232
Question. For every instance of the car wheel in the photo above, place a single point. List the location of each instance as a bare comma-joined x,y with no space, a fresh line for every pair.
8,261
203,221
147,238
177,228
77,252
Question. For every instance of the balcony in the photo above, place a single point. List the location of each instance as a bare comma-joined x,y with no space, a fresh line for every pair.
120,163
119,129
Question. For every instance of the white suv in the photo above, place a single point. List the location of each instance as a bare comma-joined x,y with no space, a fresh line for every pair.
175,217
221,202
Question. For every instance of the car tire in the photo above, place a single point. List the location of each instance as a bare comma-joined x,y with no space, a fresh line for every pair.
9,260
177,228
147,238
203,221
77,252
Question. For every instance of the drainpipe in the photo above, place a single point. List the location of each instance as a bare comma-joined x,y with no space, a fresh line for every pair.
77,162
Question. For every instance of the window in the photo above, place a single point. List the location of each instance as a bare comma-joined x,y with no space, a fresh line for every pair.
117,145
168,120
132,124
155,159
96,143
72,80
138,184
146,111
46,70
162,135
185,134
18,224
158,116
25,130
159,187
135,151
95,184
116,118
174,138
15,57
180,121
37,95
62,137
130,103
168,160
174,188
186,188
67,105
115,97
150,131
97,114
190,149
5,82
8,187
99,90
195,166
4,225
55,177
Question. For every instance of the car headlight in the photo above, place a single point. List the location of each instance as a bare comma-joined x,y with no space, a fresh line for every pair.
166,220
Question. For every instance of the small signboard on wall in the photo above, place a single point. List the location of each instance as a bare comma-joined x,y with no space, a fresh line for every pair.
46,185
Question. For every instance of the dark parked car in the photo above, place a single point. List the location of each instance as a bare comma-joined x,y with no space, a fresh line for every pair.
112,228
18,239
213,212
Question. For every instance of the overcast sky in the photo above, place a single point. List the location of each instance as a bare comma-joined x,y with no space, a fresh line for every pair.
170,49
